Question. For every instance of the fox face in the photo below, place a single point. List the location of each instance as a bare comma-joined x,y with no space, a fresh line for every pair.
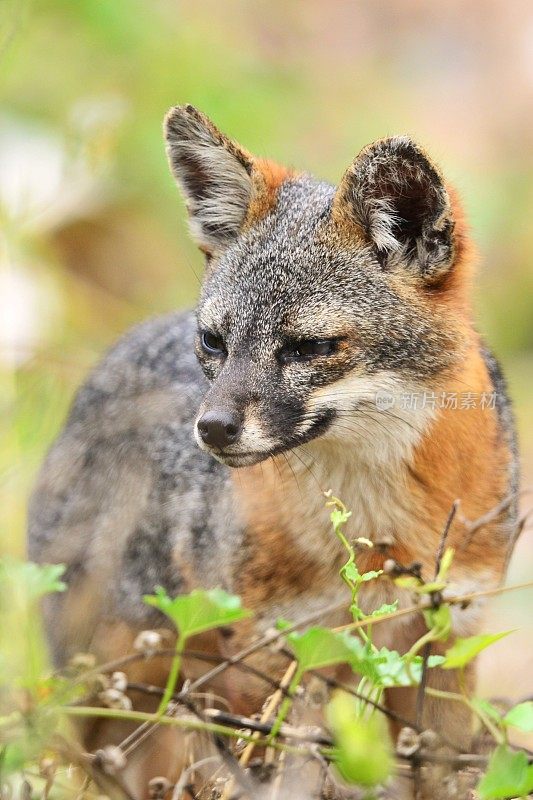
316,299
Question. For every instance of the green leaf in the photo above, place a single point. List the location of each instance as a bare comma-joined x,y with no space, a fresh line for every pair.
521,716
464,650
508,775
339,517
363,753
33,581
428,588
445,564
486,708
23,652
407,582
386,608
321,647
393,670
351,572
200,610
440,620
371,575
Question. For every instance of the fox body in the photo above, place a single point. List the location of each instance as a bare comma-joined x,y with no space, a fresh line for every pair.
317,302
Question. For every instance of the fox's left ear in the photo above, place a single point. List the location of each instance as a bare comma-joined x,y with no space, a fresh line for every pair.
398,201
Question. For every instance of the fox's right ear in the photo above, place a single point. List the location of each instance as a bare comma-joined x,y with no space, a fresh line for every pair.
214,173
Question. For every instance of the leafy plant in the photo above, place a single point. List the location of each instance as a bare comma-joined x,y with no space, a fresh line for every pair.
39,700
508,774
192,614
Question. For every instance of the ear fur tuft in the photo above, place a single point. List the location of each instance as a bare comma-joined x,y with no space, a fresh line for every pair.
214,174
397,199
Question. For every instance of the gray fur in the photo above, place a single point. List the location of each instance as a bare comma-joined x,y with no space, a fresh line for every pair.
128,449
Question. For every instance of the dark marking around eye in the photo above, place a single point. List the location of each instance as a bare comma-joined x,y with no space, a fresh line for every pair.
307,349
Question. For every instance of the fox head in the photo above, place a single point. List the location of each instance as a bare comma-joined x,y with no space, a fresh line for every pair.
316,299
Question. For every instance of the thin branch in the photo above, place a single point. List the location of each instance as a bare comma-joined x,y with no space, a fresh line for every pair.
265,641
286,731
267,712
452,600
444,536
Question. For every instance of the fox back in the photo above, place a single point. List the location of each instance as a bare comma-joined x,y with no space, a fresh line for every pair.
332,347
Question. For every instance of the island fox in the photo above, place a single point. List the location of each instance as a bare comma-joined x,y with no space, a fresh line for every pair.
332,347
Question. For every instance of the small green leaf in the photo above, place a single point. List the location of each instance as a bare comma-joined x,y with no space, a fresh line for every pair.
364,541
508,775
407,582
464,650
200,610
439,620
521,716
321,647
386,608
393,670
429,588
339,517
371,575
351,572
32,580
445,564
363,753
283,624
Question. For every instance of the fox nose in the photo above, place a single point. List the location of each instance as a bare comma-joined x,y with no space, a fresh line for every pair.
219,428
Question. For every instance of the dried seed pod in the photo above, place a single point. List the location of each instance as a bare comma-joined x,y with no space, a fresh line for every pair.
158,787
429,740
82,661
110,759
390,567
148,642
408,742
112,698
119,681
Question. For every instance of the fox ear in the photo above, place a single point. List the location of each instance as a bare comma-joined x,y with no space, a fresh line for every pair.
399,202
214,174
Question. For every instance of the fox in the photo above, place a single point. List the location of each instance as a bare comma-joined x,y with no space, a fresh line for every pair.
198,451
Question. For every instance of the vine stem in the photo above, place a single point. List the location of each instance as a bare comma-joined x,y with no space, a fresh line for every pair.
177,722
172,677
459,698
450,601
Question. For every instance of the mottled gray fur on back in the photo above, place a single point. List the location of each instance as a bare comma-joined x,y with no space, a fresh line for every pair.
125,489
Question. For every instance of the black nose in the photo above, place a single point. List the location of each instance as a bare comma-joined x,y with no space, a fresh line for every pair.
219,428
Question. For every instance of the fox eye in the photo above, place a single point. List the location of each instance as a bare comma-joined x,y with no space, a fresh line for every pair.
213,344
306,349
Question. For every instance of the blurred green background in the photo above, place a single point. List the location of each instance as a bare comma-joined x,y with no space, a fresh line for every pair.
92,231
